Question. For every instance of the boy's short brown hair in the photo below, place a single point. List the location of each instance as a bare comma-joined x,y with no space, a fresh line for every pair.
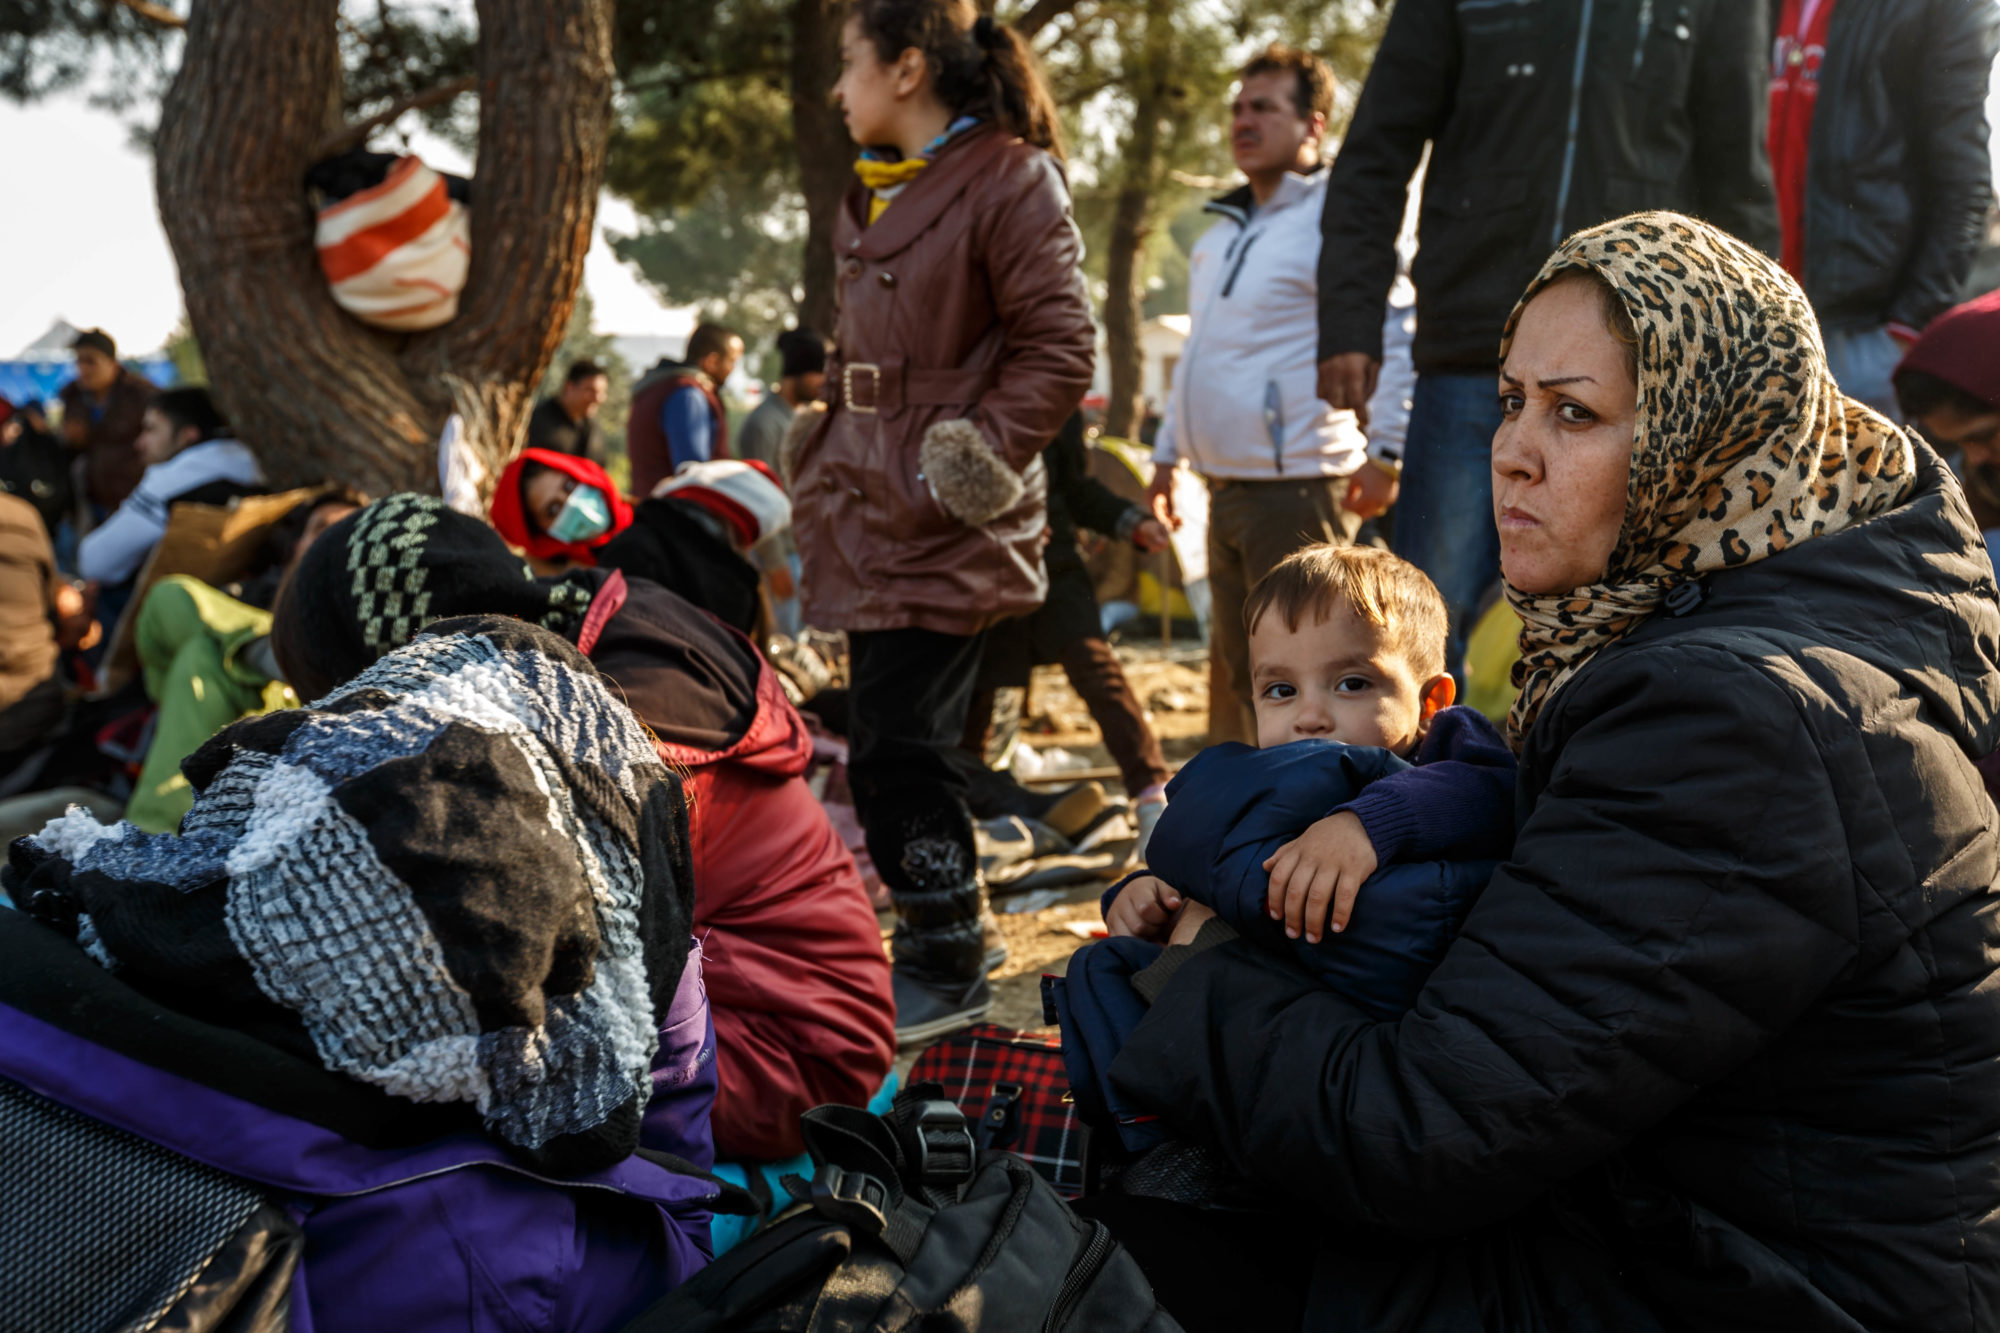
1313,81
1385,590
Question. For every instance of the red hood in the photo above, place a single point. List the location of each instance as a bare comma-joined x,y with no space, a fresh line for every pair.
511,519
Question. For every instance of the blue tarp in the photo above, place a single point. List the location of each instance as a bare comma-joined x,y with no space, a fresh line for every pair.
40,381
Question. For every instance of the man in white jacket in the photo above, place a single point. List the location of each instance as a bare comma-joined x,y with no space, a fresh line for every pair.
189,456
1284,470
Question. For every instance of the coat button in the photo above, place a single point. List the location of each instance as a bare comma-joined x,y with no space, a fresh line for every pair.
854,244
857,492
888,280
853,268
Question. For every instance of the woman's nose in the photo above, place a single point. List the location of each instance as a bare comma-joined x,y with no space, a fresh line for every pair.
1514,454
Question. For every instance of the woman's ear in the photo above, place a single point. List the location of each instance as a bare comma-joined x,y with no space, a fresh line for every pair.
1438,694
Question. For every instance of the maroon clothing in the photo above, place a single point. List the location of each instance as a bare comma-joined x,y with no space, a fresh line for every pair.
646,443
111,462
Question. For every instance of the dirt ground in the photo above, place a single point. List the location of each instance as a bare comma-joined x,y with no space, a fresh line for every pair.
1172,684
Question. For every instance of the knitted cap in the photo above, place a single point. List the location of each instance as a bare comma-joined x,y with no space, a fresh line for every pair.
801,352
377,577
745,494
1962,348
462,878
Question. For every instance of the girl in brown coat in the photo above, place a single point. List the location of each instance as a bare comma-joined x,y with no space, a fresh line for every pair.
964,341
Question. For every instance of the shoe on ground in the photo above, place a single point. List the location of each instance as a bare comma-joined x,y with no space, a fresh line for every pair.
928,1007
1076,809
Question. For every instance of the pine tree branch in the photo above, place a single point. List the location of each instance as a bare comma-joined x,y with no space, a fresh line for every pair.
353,136
1040,14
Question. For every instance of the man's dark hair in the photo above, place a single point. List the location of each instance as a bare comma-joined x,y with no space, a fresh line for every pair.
1920,393
191,407
97,340
1314,81
708,339
801,352
580,371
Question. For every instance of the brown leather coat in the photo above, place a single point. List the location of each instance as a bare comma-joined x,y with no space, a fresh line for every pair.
963,301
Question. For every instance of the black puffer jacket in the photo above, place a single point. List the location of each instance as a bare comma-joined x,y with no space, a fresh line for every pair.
1544,117
1719,1048
1898,175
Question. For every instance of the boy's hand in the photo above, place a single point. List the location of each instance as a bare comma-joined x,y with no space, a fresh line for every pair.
1322,867
1144,908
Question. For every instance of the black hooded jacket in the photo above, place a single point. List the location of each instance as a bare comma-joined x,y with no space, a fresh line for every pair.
1719,1048
1543,117
1898,178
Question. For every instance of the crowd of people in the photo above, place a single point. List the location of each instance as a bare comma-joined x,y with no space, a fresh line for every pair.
442,917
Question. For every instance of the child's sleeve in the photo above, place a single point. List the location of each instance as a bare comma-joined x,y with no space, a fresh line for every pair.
1456,804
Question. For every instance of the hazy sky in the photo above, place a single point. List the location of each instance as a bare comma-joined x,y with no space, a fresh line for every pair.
80,240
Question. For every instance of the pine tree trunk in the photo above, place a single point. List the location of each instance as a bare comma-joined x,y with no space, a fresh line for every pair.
318,394
826,154
1132,225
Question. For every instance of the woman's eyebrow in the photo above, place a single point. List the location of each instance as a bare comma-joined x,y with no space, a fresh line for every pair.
1567,379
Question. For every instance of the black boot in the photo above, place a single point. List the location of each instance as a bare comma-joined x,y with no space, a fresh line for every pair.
939,949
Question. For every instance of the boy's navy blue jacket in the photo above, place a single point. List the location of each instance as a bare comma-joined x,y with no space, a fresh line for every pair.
1438,827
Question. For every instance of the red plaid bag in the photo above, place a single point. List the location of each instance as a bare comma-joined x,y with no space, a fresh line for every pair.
1014,1091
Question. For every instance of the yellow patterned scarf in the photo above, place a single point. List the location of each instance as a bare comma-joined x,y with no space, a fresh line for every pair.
885,180
1743,444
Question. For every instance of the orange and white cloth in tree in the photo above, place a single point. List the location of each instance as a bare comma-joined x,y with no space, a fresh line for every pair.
395,254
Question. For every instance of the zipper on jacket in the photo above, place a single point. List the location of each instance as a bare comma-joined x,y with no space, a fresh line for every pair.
1229,286
1575,118
1081,1272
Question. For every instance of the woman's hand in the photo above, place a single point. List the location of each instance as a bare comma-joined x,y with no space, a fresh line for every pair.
1151,535
1324,866
1144,909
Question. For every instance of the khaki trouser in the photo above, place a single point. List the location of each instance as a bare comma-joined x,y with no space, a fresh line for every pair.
1252,527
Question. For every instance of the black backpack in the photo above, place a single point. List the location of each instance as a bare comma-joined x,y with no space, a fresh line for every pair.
907,1225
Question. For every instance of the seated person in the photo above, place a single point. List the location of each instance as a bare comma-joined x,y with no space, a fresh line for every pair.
794,962
189,456
34,604
34,464
1948,386
207,661
1370,801
326,990
558,509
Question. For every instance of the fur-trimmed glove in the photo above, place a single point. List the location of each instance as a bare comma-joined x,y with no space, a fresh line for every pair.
973,483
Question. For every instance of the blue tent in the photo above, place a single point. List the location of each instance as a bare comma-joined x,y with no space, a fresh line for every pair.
41,380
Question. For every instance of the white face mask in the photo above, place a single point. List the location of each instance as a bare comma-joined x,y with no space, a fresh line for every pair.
584,515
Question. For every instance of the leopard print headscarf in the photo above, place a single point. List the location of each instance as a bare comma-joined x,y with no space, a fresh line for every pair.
1743,443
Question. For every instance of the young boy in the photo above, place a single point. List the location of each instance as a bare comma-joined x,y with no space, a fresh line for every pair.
1355,837
1347,644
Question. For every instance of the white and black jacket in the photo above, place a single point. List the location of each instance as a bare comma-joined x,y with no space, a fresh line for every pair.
1244,402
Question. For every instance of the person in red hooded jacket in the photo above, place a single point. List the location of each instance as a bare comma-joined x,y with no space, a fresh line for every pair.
558,508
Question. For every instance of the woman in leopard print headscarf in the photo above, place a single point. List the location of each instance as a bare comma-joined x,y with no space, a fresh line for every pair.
1742,444
1719,1044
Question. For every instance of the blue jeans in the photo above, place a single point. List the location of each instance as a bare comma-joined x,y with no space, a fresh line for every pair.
1862,362
1444,516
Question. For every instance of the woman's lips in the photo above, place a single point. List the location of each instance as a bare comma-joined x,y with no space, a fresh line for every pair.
1518,519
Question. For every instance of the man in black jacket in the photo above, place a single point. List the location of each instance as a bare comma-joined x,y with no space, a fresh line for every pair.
1543,117
1878,148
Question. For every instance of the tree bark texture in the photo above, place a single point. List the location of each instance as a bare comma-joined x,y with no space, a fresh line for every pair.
317,393
826,154
1132,226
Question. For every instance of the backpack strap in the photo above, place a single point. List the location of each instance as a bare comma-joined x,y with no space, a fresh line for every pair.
858,1180
940,1156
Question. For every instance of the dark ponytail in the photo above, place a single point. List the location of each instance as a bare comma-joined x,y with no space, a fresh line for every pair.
979,67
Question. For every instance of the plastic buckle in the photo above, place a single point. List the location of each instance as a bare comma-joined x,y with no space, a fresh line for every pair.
851,1197
874,386
996,1127
953,1136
